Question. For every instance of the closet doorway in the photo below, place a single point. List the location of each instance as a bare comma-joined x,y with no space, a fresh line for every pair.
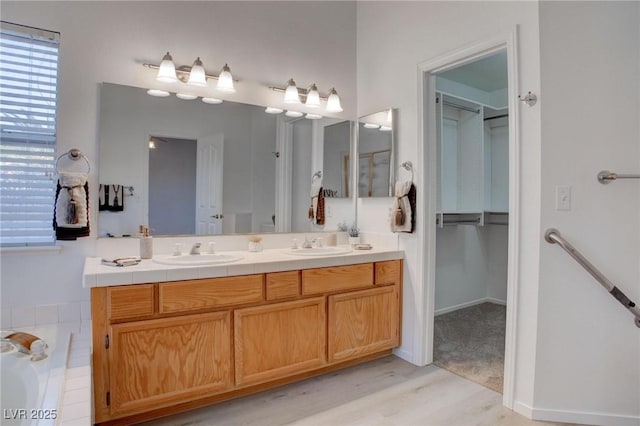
470,246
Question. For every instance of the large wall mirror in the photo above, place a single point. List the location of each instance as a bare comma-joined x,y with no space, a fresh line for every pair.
376,154
187,167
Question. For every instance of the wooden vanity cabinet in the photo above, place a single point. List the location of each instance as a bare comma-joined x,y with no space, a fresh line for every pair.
161,348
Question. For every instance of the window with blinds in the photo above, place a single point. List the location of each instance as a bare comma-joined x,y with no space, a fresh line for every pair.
28,94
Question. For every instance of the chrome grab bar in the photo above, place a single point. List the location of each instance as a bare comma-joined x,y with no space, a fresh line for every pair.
605,176
552,236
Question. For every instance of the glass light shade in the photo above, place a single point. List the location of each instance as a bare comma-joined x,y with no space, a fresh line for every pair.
272,110
186,96
313,116
385,128
225,80
313,97
333,103
291,95
213,101
167,70
294,114
197,75
370,126
158,93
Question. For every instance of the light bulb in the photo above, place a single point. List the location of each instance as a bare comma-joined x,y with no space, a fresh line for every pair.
213,101
291,93
225,80
272,110
158,93
333,103
313,97
167,70
186,96
197,75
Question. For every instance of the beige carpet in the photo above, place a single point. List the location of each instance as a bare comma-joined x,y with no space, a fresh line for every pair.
469,342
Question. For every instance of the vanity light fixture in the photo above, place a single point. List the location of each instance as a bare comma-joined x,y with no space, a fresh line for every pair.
186,96
272,110
371,126
213,101
291,95
333,102
313,116
313,97
197,76
194,75
225,80
158,93
167,70
294,114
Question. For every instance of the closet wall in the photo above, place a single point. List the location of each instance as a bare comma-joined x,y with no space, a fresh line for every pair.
472,235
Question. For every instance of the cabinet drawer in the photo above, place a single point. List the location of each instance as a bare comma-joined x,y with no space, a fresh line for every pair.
209,293
336,278
283,285
389,272
133,301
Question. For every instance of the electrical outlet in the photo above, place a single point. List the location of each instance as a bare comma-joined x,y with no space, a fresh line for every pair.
328,211
563,198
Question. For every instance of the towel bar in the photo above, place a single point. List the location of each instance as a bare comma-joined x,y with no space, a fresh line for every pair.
605,176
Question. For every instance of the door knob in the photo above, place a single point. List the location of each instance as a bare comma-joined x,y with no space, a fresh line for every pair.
217,216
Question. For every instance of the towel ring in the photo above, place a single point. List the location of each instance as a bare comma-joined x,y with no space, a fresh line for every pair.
74,154
408,165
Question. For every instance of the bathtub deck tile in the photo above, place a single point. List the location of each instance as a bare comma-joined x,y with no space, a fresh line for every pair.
78,383
75,396
75,411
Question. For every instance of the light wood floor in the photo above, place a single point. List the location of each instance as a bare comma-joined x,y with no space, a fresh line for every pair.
388,391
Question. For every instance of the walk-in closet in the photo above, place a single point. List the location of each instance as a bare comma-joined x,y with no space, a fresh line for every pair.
472,220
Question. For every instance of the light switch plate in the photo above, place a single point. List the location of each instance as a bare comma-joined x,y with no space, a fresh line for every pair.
563,198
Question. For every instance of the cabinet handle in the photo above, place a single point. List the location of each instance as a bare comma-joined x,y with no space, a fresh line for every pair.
217,216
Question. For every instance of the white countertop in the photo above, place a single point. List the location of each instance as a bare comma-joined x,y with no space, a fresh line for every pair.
96,274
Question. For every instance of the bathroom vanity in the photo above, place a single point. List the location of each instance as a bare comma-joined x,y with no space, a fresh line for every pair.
166,346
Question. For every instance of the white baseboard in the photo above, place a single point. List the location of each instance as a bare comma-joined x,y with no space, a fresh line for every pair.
468,304
580,417
403,354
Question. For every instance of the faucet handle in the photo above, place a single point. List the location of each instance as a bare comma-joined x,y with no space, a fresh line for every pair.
212,247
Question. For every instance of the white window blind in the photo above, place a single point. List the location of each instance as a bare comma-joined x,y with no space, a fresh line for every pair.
28,95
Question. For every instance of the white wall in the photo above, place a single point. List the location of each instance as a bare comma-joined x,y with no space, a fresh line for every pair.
265,43
393,38
588,351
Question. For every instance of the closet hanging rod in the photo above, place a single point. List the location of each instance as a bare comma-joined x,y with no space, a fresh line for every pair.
496,117
462,107
605,176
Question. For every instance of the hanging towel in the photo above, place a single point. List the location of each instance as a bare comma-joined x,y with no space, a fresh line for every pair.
403,211
71,211
316,187
111,197
320,208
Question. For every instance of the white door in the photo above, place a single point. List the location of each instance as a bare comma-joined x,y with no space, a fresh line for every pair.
209,185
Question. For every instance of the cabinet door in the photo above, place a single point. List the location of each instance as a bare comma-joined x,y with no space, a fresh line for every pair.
363,322
165,361
279,340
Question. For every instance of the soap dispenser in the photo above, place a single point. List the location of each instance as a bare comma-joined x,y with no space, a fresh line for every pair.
146,243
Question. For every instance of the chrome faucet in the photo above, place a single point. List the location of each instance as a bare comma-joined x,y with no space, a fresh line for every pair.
195,249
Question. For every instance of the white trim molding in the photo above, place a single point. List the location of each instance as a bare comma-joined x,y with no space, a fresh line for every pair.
580,417
427,194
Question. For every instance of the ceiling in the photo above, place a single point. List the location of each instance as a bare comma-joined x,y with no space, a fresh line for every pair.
488,74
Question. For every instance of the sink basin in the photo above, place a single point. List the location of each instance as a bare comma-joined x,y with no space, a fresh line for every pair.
319,251
197,259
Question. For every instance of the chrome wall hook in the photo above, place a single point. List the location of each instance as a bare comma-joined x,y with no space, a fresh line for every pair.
530,98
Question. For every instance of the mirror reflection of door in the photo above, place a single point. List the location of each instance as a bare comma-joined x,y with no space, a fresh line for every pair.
209,175
185,185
